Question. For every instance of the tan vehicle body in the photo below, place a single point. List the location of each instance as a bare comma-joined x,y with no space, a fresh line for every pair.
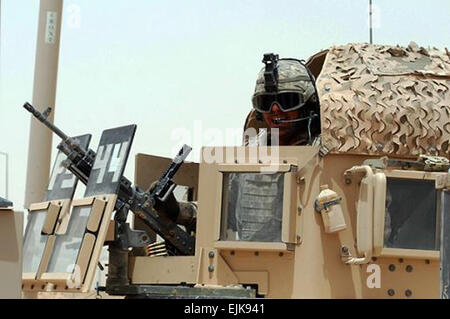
312,265
375,101
11,226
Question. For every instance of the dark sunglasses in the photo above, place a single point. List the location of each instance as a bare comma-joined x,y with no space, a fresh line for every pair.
288,101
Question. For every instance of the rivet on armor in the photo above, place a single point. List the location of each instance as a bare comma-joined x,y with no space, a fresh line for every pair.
391,292
409,268
211,254
211,268
392,267
408,293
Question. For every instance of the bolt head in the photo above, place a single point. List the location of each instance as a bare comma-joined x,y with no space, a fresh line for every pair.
211,254
211,268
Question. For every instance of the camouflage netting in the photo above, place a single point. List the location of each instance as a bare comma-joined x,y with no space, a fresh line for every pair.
381,100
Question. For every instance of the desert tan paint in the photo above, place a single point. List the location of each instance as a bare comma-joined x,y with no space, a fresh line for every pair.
380,99
311,268
11,228
99,220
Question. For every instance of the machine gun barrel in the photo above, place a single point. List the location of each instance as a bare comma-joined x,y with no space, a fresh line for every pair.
41,117
138,201
81,160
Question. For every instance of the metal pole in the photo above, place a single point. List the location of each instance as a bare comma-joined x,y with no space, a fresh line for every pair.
3,153
6,173
370,22
44,95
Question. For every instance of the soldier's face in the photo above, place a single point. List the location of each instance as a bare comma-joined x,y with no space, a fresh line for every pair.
277,114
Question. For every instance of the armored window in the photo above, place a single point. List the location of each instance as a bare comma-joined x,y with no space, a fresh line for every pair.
66,249
411,214
34,242
252,207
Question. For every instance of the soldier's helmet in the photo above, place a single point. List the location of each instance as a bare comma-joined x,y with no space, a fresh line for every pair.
279,76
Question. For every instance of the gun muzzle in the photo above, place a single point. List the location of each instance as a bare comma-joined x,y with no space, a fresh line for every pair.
41,117
29,107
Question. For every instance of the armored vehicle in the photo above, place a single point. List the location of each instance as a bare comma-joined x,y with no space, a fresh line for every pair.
362,215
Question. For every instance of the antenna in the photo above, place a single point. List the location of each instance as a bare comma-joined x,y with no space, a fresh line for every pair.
370,22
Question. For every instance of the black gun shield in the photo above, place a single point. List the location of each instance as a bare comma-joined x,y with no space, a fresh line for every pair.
110,161
62,183
445,245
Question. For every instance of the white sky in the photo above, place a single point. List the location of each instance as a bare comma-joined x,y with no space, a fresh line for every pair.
165,65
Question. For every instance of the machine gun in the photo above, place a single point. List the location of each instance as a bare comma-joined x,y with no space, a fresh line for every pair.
80,162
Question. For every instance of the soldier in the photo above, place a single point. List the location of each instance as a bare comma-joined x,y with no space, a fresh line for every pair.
286,99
